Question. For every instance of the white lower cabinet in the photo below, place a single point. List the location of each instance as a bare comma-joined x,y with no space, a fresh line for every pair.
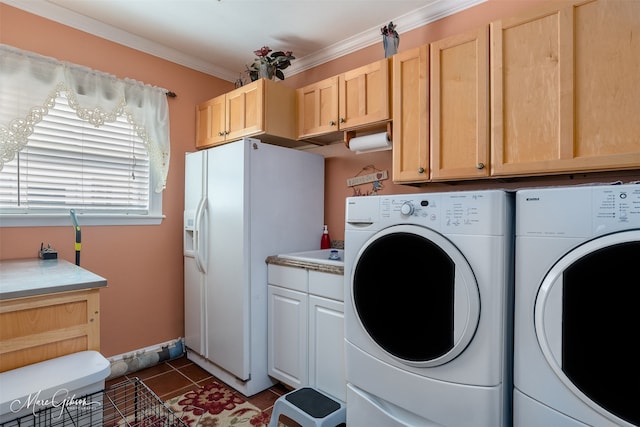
306,329
326,346
288,336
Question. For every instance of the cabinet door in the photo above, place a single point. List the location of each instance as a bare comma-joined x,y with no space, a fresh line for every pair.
218,119
410,115
288,336
210,122
318,108
245,111
532,94
565,89
364,95
606,85
326,346
459,114
42,327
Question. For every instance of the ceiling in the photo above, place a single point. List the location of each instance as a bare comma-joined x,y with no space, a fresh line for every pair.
218,37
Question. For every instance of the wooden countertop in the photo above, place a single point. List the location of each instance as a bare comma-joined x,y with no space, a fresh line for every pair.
28,277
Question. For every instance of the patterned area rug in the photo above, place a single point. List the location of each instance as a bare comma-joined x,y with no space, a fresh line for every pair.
216,405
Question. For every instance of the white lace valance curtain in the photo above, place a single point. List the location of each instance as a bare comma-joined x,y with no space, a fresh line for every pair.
95,96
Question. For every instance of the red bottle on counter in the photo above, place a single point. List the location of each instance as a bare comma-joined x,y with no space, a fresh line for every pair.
325,241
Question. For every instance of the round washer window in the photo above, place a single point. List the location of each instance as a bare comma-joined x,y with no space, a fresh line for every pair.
585,314
415,295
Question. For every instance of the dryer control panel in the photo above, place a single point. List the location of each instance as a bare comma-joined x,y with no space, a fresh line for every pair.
463,212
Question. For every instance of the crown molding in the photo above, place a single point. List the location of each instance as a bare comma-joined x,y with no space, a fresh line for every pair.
433,11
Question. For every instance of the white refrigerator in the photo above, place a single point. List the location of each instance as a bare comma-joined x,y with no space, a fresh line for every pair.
244,201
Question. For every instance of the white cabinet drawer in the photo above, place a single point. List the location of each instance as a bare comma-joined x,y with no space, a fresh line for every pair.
287,277
326,285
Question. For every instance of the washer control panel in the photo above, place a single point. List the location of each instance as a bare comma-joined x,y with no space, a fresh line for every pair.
580,211
615,207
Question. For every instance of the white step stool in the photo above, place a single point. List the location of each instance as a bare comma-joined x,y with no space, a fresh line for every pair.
309,408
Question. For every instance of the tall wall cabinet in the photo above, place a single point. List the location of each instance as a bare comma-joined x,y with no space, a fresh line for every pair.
459,125
441,110
565,88
557,92
411,115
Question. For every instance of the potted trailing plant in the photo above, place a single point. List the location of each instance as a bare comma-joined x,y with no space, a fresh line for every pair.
390,39
269,64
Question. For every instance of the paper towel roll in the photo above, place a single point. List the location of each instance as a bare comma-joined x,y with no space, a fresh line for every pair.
369,143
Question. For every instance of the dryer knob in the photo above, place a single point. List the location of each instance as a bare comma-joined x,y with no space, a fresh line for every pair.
406,208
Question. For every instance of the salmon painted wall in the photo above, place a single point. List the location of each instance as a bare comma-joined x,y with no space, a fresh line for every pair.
143,303
342,164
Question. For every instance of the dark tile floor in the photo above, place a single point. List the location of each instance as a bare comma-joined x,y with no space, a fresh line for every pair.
175,377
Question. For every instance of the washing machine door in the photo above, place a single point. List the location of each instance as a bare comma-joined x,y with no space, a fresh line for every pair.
587,321
415,295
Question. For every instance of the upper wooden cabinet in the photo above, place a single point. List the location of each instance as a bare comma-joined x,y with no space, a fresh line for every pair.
441,111
364,95
357,98
318,108
263,107
210,122
565,93
459,113
411,115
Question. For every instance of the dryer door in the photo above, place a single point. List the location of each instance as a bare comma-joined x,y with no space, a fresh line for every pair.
587,323
415,295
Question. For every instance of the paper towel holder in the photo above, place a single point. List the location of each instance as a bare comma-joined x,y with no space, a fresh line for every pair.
352,134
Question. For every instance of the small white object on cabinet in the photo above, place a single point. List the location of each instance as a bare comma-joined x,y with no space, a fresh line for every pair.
306,329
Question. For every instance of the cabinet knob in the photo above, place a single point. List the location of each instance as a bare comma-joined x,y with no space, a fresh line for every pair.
226,132
342,120
480,166
220,133
332,123
420,170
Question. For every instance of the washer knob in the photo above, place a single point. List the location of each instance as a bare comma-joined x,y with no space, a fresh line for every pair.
406,208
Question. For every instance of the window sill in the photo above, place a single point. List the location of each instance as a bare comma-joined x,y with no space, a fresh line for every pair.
35,220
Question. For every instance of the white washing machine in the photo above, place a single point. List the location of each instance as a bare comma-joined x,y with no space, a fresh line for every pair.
577,305
428,281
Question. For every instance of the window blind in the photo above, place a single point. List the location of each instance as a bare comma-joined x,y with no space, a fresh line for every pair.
70,164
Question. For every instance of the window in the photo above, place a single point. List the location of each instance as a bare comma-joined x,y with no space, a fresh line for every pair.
100,172
76,138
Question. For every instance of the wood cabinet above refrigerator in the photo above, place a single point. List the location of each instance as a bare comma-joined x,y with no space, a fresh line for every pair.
263,108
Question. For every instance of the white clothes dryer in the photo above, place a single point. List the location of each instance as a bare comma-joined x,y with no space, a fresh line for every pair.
428,288
577,299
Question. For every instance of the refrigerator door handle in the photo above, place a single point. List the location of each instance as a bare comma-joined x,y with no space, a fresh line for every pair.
200,262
